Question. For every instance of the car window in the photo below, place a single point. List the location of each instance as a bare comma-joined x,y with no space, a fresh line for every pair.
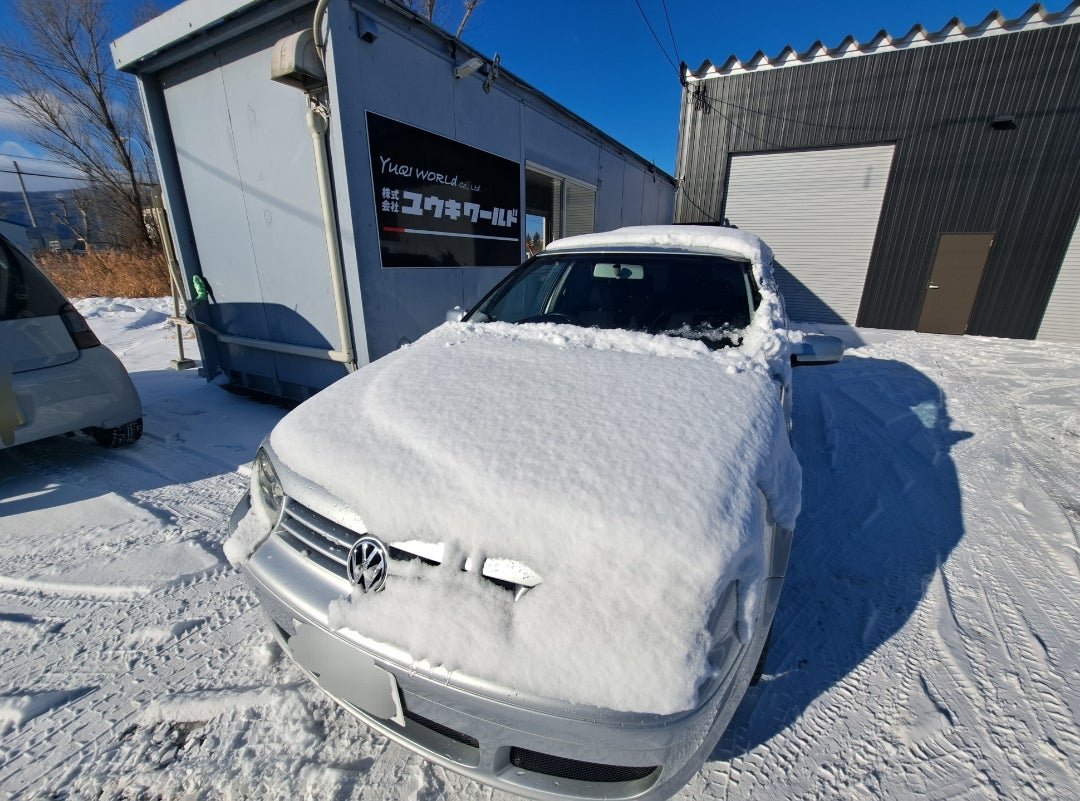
24,291
526,297
694,296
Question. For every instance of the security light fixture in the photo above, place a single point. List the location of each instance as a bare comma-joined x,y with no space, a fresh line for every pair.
1003,122
468,68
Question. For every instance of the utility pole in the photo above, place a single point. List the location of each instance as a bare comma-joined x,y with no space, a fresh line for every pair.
25,197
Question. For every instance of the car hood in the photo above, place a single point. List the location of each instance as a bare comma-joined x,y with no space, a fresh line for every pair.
625,470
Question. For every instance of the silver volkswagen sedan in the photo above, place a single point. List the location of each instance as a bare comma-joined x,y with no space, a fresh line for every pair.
543,545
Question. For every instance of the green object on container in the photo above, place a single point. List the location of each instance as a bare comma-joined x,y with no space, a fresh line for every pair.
202,291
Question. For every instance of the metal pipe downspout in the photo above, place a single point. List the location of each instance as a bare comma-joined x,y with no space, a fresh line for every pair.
318,123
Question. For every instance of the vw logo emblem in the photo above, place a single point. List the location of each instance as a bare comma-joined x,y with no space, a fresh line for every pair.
367,564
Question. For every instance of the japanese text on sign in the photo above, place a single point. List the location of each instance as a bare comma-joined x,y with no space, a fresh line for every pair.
442,203
419,205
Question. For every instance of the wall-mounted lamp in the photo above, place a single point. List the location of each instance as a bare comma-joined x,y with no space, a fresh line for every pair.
1003,122
468,68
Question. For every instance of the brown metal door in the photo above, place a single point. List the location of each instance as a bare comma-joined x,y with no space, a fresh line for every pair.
954,282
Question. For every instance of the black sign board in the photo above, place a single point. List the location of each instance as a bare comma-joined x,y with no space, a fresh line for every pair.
440,203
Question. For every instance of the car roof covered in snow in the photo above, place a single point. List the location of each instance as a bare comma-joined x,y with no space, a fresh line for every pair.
693,238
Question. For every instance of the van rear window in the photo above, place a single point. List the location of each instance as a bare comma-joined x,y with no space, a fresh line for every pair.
24,290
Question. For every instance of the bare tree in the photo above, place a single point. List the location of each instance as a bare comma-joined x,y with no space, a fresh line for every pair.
80,110
427,8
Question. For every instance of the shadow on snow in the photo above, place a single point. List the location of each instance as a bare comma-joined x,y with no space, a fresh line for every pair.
881,513
193,431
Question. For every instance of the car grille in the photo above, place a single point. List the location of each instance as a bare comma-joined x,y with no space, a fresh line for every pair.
328,544
318,538
564,768
445,731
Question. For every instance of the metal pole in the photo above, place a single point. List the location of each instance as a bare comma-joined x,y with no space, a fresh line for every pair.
25,197
162,223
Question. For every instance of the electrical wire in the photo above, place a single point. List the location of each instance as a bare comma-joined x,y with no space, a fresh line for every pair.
23,157
21,171
670,30
703,97
83,178
695,204
785,118
15,52
656,38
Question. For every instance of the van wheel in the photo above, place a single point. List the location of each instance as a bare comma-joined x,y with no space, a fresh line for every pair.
759,670
119,436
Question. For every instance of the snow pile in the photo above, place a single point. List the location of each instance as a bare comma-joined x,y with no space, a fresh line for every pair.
621,467
702,238
250,533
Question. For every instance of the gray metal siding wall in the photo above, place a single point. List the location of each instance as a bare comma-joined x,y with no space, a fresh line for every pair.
254,211
407,74
236,161
952,173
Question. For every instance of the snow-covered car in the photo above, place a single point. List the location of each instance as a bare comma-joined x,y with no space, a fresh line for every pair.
55,376
543,545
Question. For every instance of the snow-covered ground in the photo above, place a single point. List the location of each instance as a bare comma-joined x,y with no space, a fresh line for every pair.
927,643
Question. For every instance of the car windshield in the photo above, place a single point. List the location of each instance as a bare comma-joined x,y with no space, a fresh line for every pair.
708,298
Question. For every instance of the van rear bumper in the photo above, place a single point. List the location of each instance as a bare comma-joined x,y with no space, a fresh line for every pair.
94,390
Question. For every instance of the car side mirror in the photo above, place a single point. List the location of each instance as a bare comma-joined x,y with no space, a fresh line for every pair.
455,315
817,349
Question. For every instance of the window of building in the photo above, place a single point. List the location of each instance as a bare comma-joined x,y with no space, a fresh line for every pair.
555,207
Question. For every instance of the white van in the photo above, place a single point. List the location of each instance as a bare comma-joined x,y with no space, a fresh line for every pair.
55,376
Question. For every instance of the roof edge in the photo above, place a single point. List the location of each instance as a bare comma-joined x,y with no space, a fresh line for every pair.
177,27
1036,17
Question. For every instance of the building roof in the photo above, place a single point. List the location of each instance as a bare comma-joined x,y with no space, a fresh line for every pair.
1036,17
195,26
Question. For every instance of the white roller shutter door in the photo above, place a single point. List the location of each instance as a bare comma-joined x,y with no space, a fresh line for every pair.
1061,322
818,210
580,209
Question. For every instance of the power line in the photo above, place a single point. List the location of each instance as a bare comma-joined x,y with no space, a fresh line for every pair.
45,175
694,203
15,52
24,157
671,31
85,178
701,96
781,117
656,38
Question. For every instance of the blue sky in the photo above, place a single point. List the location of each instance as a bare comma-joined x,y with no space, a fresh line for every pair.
599,59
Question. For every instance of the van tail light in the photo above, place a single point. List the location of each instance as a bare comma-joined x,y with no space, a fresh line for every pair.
80,332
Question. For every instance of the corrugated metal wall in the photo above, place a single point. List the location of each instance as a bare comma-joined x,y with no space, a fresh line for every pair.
1062,319
952,173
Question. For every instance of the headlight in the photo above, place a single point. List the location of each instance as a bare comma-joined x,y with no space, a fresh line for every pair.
267,485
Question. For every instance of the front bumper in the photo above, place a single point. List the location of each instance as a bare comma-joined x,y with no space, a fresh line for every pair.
533,747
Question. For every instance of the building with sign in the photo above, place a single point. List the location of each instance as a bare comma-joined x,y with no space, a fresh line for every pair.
927,181
337,193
